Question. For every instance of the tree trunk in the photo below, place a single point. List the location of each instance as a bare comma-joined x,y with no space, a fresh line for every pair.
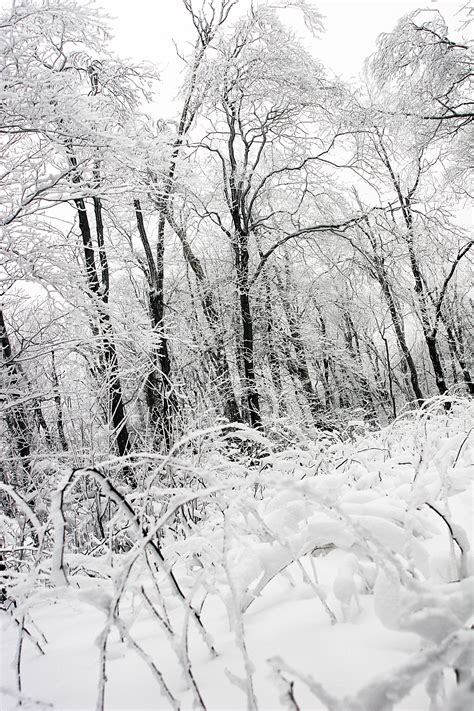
325,358
363,385
457,350
17,416
250,381
58,404
300,365
272,355
301,368
218,354
98,291
400,334
160,393
429,333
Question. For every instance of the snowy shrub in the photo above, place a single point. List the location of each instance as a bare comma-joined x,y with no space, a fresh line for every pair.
372,528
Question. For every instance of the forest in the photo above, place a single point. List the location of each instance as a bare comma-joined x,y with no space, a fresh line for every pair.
236,433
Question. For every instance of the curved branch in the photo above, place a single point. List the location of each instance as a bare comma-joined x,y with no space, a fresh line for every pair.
462,252
341,226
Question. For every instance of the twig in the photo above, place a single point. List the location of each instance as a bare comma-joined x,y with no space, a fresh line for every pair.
330,702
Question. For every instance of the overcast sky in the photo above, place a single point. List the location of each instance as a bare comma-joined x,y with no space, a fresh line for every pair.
144,29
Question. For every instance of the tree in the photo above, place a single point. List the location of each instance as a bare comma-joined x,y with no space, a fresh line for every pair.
435,71
160,190
54,153
266,98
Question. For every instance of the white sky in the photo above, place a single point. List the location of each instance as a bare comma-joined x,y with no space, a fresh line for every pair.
145,29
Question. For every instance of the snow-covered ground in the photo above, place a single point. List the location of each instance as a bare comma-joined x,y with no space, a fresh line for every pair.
335,574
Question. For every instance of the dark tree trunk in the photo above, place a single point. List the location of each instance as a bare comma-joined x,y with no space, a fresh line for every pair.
325,359
161,397
247,343
239,236
400,334
167,394
40,420
430,338
299,366
58,404
253,401
458,351
218,354
390,377
272,353
98,290
17,416
429,331
363,385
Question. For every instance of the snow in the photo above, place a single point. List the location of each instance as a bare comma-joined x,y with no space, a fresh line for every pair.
343,588
288,625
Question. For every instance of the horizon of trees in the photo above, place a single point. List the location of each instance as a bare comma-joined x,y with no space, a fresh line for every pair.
288,248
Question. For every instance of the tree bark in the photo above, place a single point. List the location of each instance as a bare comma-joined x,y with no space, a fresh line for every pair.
400,333
98,291
363,385
17,416
429,331
218,354
58,404
241,254
300,365
272,353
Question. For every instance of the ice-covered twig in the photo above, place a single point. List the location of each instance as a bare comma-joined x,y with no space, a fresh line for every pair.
18,653
186,661
122,627
23,699
58,571
111,611
329,701
293,557
287,696
21,624
461,446
25,508
384,691
448,524
239,626
180,649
